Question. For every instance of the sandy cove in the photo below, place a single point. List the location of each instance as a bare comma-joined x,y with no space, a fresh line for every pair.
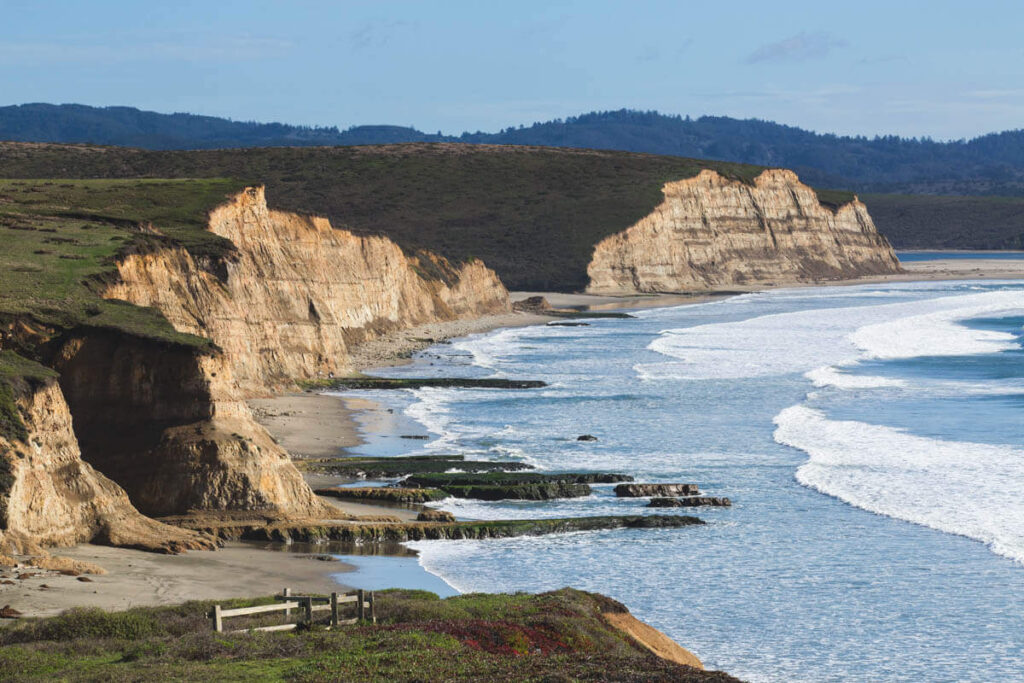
136,578
315,425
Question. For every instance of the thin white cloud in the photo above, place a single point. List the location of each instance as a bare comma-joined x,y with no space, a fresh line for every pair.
802,47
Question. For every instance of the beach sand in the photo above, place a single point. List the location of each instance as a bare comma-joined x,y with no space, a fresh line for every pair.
137,578
311,425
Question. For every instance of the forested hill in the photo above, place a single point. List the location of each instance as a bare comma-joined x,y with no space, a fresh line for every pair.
130,127
988,165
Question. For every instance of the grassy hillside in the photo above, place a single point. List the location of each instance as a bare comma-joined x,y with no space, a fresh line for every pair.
553,636
939,222
60,239
988,165
533,214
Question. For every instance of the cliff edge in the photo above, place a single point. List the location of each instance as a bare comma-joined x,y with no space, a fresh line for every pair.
133,329
711,231
49,496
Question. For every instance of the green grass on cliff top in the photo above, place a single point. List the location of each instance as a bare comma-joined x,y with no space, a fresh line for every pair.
553,636
60,238
533,214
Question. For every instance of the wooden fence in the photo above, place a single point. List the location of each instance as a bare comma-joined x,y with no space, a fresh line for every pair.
308,608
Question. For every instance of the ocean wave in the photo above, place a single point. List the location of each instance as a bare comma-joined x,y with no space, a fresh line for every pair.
940,333
968,489
832,376
801,341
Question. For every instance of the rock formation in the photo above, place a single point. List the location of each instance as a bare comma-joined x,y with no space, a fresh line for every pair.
287,304
299,292
660,490
168,422
689,502
49,496
712,232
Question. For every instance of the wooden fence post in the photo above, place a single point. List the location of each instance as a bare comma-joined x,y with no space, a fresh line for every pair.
334,610
360,607
218,623
373,608
287,593
307,607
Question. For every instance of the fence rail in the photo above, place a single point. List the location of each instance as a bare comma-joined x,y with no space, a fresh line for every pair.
307,606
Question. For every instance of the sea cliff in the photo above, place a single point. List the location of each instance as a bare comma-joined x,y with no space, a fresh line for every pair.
298,293
711,232
127,417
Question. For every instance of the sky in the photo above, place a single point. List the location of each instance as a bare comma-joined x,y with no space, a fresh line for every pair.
942,69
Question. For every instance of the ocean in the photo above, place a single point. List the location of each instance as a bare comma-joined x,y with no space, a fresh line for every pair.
870,438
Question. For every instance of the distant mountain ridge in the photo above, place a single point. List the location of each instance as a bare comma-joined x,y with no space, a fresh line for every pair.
988,165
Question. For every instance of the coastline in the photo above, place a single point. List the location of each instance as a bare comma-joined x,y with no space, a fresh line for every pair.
311,425
137,578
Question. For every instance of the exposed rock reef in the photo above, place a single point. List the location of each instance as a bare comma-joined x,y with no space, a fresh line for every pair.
50,497
689,502
660,490
711,232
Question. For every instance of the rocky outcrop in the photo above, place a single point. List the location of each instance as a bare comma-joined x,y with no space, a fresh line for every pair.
435,516
299,293
652,639
169,423
712,232
50,497
689,502
366,532
662,490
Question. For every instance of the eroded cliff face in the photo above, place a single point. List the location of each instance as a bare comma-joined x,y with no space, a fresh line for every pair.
168,424
171,426
300,292
711,232
51,497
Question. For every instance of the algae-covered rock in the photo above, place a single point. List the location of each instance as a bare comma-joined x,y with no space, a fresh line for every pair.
662,490
689,502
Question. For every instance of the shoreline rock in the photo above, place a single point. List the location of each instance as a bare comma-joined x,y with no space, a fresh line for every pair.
689,502
660,490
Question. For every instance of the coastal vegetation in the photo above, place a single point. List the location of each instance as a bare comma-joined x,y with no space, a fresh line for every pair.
560,635
498,204
61,238
949,222
987,164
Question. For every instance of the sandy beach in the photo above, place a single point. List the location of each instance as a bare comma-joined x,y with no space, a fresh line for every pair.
313,425
137,578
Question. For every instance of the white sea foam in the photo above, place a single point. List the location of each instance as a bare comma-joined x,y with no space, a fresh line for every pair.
490,350
968,489
801,341
940,333
832,376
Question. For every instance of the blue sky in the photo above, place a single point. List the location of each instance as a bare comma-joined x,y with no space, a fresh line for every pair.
944,69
